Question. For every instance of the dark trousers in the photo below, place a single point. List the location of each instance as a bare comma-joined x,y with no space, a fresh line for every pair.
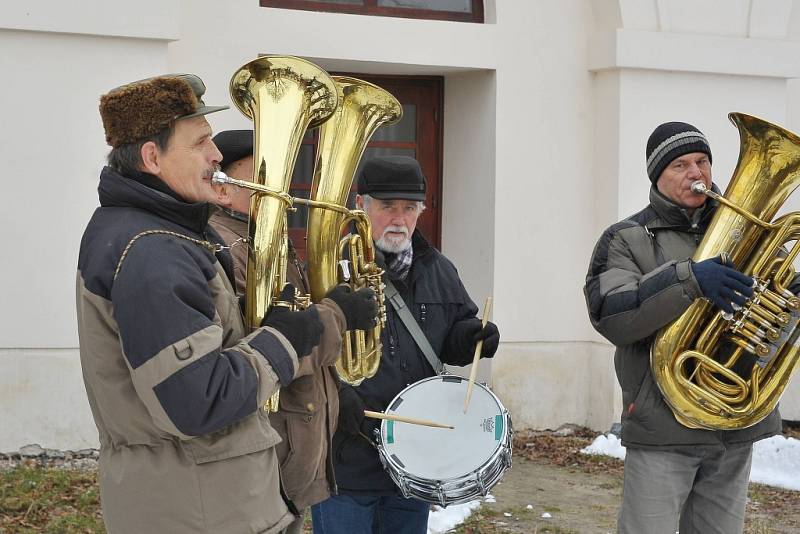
348,514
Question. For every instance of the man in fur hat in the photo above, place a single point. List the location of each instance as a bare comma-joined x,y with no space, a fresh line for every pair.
175,382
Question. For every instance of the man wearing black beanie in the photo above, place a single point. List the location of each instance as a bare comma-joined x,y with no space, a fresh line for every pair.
640,279
309,405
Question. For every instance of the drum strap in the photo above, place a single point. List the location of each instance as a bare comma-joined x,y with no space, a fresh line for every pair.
412,326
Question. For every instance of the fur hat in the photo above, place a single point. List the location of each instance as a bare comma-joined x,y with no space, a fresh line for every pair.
672,140
143,108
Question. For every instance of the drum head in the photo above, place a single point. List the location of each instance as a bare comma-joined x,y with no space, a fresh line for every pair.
439,453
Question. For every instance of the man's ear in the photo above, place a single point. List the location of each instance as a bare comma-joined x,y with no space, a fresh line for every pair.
222,196
151,158
359,202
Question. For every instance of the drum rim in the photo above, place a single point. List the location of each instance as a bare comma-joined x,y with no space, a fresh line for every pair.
503,444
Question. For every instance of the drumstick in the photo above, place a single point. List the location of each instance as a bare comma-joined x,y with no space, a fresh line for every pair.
404,419
487,308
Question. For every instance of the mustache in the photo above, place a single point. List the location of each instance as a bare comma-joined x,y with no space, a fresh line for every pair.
210,172
395,229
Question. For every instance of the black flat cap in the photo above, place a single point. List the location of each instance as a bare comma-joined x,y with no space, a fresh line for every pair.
392,177
234,145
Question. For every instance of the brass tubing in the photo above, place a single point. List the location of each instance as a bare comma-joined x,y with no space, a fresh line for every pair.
734,357
752,331
711,397
728,393
772,302
709,338
790,226
700,188
766,315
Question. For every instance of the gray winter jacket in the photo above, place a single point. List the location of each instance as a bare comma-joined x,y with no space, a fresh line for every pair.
639,280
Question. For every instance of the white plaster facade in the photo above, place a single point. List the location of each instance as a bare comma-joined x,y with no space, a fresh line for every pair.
548,106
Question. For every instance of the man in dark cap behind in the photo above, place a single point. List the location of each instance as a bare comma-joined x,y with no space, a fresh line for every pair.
308,408
175,382
392,192
640,279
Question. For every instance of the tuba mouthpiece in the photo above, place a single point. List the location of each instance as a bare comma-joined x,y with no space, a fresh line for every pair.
220,177
699,187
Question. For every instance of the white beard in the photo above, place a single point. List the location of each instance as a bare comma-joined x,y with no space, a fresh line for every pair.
393,245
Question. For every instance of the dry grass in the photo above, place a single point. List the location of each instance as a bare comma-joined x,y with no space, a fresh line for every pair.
41,499
36,499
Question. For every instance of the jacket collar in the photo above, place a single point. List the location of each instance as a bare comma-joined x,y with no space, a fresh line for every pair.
147,192
422,252
419,244
672,215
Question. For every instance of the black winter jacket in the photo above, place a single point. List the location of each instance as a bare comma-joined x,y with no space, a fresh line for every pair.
438,300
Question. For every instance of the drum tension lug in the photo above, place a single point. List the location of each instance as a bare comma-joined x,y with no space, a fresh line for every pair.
440,495
403,486
479,481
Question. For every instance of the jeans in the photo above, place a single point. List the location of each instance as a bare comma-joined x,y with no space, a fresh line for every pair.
701,491
351,514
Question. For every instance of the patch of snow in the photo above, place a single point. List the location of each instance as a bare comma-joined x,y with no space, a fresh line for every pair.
609,445
443,519
776,460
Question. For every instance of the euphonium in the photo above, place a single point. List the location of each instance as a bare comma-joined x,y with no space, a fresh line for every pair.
363,107
719,371
283,96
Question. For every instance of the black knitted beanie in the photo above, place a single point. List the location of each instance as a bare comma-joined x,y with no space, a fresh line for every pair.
672,140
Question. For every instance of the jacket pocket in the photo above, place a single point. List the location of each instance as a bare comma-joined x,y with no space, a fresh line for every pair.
303,396
641,408
251,434
301,451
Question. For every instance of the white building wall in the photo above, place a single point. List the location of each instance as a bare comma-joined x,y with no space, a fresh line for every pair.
547,110
726,56
57,60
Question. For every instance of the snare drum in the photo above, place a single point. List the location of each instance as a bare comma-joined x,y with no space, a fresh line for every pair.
444,466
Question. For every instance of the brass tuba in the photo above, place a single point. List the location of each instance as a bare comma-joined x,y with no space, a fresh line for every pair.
283,96
719,371
363,107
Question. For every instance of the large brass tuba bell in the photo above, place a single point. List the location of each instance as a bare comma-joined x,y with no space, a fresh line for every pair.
726,372
363,107
283,96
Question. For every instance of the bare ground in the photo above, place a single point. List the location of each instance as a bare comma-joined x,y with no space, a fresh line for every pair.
551,488
582,493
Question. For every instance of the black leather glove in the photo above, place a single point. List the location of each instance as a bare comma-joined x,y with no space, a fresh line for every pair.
303,329
351,410
722,284
465,335
360,308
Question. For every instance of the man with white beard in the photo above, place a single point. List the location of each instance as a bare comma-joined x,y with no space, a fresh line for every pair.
391,190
